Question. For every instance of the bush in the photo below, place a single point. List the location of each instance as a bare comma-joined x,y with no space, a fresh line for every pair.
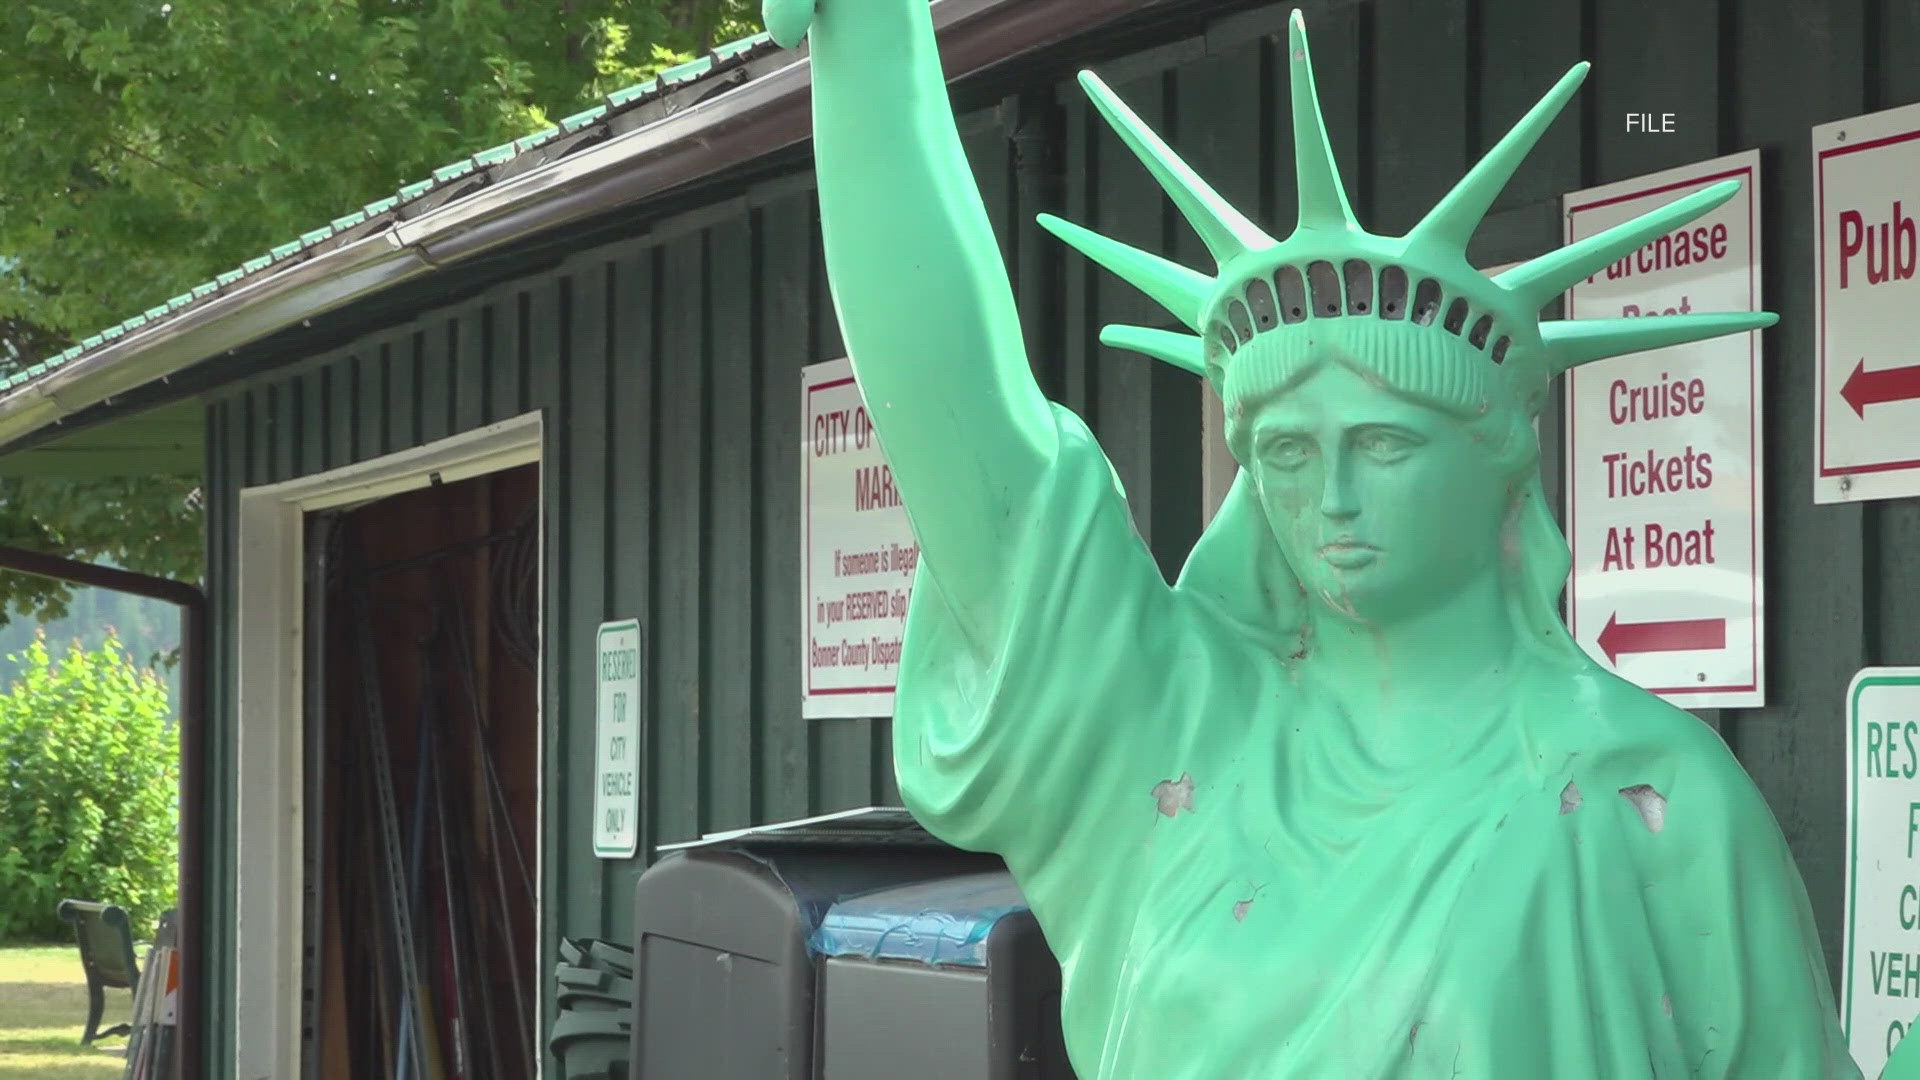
89,790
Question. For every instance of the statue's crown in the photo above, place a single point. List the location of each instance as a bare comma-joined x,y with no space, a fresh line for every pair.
1392,296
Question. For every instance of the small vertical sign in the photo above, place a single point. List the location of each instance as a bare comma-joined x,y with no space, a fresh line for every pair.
1880,983
616,782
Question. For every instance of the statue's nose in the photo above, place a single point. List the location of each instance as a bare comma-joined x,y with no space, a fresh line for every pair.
1337,497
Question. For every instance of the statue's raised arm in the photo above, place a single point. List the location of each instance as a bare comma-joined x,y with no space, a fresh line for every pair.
924,303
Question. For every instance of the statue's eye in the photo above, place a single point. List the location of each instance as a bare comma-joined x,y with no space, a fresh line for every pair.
1286,452
1384,444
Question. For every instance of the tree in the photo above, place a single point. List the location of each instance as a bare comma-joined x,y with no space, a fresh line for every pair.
148,630
89,789
145,148
148,524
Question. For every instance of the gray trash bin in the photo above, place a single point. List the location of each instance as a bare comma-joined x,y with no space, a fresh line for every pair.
760,955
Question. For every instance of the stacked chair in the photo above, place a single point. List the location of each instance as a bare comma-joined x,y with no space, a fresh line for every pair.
595,1022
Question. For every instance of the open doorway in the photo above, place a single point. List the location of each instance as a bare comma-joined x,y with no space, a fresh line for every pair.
421,782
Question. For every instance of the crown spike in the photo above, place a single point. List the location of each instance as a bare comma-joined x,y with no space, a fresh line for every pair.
1454,218
1226,231
1180,290
1323,199
1539,280
1572,342
1184,351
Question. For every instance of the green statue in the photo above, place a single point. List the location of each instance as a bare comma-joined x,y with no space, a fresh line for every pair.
1347,800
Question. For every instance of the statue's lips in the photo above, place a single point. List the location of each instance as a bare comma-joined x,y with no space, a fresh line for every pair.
1349,554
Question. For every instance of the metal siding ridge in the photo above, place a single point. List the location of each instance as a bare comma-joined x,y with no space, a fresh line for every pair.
760,117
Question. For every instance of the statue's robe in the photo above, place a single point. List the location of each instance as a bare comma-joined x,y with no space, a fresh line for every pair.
1241,881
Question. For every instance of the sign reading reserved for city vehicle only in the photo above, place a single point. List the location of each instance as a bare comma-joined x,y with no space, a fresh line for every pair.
616,780
1663,450
1880,980
1866,202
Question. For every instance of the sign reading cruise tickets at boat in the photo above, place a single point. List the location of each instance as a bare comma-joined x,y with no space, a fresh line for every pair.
1663,465
616,780
1880,973
1866,196
857,553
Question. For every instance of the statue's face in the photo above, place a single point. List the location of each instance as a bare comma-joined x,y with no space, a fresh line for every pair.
1382,506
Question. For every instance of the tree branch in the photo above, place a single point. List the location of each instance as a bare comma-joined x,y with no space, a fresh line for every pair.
161,165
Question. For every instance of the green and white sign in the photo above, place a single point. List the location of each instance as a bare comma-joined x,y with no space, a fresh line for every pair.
1880,985
616,781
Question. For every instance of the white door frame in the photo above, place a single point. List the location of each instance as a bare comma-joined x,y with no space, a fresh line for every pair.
270,785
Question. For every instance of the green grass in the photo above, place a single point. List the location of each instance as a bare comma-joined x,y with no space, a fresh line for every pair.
43,1008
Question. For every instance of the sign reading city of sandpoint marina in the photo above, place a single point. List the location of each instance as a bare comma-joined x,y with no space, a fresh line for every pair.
1663,465
1866,196
857,553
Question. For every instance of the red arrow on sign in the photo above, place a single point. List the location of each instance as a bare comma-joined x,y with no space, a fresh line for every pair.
1676,635
1864,388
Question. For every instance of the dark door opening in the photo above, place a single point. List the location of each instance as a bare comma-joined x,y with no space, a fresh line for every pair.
422,751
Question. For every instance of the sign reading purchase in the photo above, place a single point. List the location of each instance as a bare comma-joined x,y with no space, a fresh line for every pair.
1663,464
857,553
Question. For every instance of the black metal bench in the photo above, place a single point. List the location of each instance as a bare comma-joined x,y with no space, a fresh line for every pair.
106,952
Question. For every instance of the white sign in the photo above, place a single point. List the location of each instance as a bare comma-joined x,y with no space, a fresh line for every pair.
1866,197
1663,450
1880,984
857,553
616,780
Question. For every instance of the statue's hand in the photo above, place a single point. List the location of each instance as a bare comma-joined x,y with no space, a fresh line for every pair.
787,20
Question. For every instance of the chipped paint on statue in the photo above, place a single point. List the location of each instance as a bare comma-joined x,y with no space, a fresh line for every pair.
1346,800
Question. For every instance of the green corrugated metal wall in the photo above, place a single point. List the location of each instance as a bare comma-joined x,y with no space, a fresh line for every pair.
669,367
670,389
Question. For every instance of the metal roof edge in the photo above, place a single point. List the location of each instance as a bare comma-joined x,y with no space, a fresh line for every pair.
138,357
760,116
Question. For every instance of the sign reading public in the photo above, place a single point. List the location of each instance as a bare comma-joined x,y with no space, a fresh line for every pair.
1866,196
1663,450
857,553
616,779
1880,984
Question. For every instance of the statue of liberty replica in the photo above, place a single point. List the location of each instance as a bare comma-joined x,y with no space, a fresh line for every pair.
1347,801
